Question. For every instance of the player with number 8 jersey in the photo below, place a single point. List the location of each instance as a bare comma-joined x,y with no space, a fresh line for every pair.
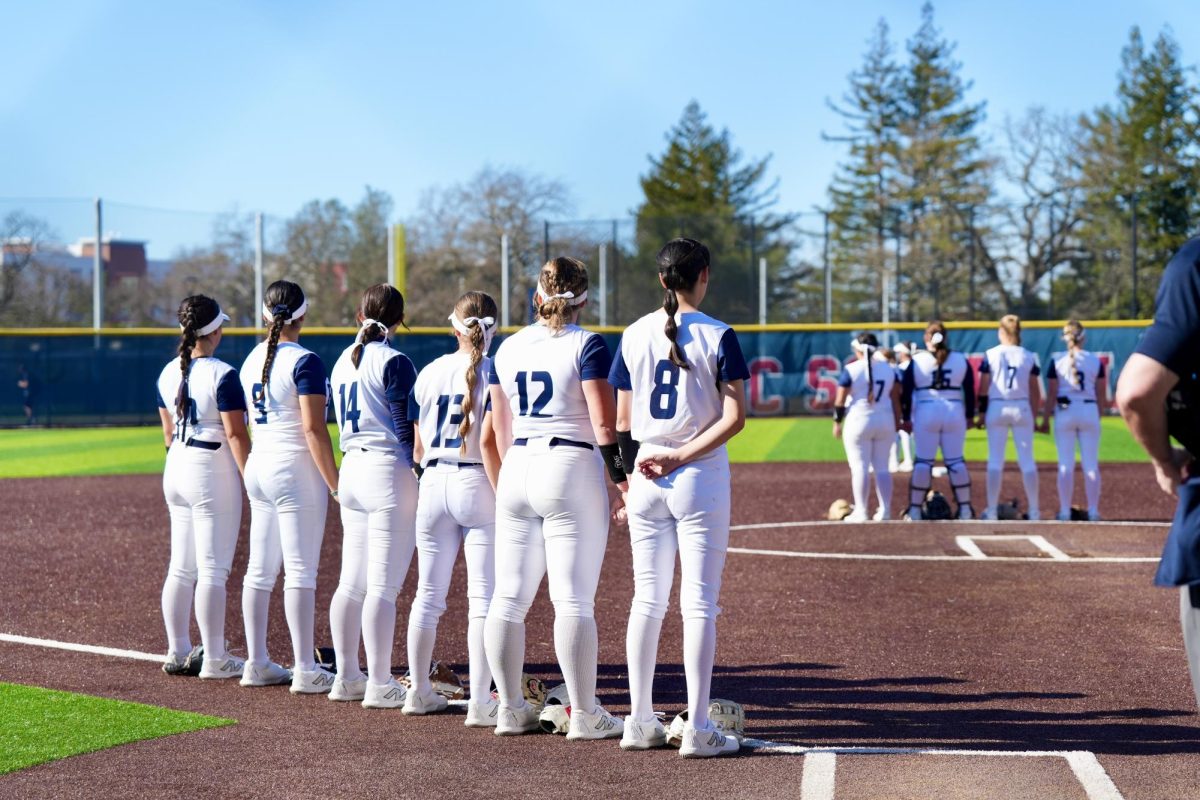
548,388
377,491
679,375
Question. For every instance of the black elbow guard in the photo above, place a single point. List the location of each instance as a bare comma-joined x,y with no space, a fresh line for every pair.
629,450
612,462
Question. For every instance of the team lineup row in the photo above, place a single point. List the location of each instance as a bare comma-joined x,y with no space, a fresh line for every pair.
932,394
503,457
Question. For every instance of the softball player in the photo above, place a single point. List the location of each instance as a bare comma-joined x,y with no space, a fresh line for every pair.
679,375
289,478
1009,396
372,384
1076,390
903,352
552,510
207,445
457,507
938,397
868,402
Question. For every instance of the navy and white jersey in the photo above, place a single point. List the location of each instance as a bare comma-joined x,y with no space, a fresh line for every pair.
1012,367
275,420
1174,338
671,406
868,395
541,375
927,381
1076,381
437,404
212,388
371,400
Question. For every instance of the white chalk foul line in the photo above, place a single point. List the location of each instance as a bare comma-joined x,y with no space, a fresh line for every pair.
83,648
962,559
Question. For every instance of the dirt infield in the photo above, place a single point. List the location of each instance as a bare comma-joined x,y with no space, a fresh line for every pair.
892,638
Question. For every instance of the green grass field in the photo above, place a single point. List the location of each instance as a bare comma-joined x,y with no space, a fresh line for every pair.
33,453
40,725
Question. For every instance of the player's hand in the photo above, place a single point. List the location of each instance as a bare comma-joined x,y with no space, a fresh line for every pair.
620,514
660,464
1170,474
1045,426
837,430
980,423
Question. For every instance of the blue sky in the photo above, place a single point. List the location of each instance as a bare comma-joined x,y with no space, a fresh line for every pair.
264,106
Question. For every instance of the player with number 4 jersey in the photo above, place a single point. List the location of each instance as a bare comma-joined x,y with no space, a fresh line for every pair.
679,377
372,384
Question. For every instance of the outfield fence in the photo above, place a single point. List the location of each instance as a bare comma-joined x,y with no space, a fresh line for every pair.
108,378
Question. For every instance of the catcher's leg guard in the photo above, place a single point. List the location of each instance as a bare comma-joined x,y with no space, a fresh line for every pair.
960,481
919,482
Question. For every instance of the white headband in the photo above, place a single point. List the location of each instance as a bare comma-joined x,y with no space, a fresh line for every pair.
861,347
571,298
220,319
936,339
366,325
269,315
901,348
464,326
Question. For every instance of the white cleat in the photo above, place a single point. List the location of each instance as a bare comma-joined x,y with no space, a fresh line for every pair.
482,714
989,514
419,704
913,514
1094,516
905,466
268,674
881,514
1063,516
643,734
344,691
597,724
386,695
312,681
706,743
1034,515
857,516
966,512
220,668
515,721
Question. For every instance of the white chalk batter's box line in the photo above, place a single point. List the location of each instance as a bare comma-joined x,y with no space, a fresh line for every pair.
820,763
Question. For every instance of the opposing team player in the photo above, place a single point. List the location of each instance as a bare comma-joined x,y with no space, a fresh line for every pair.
549,391
938,396
1076,390
866,414
456,444
207,444
290,476
1010,395
372,384
679,375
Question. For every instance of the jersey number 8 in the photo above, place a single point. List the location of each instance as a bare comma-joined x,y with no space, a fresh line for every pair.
664,399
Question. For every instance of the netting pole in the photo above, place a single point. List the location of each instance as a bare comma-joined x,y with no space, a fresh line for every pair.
828,274
98,273
603,283
1134,223
616,274
762,291
504,288
899,300
256,312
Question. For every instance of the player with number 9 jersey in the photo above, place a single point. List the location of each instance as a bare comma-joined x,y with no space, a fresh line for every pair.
550,396
372,386
456,445
1009,396
289,477
679,376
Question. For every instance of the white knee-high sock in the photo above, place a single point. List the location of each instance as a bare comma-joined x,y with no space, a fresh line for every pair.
883,491
177,614
1091,488
906,445
345,625
994,479
420,656
481,673
577,646
1030,479
299,605
210,616
699,651
379,634
255,604
860,485
505,646
1066,487
641,651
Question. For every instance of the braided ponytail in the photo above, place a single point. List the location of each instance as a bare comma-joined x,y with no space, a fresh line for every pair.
281,301
680,263
867,344
473,306
1073,336
196,314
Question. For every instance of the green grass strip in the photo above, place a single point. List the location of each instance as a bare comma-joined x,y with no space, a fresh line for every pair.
36,453
39,725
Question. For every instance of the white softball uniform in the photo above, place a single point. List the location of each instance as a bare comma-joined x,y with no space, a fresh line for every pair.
869,430
377,493
1013,369
551,505
685,512
1077,420
457,508
942,399
203,491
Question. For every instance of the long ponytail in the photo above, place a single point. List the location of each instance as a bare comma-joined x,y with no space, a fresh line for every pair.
935,332
867,344
198,316
1073,335
283,303
680,263
476,312
381,309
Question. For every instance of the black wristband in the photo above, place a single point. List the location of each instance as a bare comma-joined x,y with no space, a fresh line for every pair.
612,462
983,404
629,450
839,413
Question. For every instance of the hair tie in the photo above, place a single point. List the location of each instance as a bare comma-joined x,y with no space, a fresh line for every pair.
270,312
863,347
570,297
463,326
936,339
367,324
